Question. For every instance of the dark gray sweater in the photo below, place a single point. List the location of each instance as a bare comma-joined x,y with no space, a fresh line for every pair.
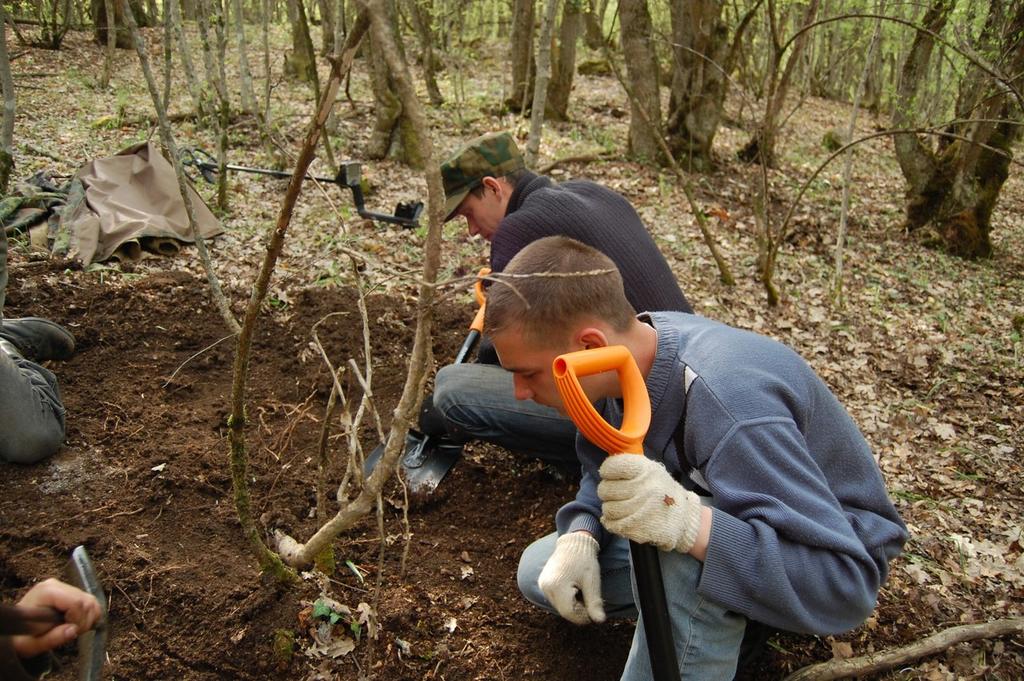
599,217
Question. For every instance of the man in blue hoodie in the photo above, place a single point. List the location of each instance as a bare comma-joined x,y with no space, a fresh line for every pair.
757,488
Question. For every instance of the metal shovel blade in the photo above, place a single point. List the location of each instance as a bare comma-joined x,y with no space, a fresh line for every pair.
92,645
428,458
425,463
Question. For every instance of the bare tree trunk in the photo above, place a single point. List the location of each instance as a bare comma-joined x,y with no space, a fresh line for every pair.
955,187
171,149
540,88
224,110
422,12
248,94
173,15
394,135
302,554
642,74
700,50
837,276
593,21
101,25
301,63
275,242
762,143
108,58
6,132
168,57
564,67
209,64
265,24
875,74
521,51
326,27
725,274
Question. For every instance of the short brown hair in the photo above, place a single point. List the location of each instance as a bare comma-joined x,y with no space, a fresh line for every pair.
551,284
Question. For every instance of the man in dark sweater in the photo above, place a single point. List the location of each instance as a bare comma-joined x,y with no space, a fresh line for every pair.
755,485
486,183
31,412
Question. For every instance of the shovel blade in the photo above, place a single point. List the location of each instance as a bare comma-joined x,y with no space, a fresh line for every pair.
425,463
92,645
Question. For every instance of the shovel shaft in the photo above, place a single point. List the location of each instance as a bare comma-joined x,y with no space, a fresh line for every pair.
657,624
629,438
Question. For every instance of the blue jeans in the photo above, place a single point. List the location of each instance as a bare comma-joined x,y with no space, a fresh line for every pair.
707,636
478,402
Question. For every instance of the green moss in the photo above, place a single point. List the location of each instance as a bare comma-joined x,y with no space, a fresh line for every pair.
284,646
325,561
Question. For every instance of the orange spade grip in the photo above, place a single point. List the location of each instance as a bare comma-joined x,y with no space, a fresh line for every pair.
636,408
478,320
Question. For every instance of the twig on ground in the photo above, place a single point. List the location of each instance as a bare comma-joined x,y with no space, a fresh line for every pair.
208,347
889,659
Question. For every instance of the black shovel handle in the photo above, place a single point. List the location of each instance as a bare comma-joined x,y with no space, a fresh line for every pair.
467,346
657,624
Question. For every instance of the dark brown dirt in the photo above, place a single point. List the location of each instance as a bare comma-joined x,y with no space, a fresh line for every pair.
143,483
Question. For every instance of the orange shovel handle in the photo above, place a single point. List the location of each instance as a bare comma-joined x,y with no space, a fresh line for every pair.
478,320
636,417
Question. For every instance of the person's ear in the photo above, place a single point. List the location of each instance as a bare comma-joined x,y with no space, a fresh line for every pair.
491,183
591,337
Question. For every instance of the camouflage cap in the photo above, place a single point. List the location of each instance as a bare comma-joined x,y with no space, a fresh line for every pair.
492,155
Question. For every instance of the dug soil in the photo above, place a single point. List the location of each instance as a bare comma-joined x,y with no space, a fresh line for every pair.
143,482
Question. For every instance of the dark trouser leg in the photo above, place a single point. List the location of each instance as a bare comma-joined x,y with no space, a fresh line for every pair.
31,413
3,271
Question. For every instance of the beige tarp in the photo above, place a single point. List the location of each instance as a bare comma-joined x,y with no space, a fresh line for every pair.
132,203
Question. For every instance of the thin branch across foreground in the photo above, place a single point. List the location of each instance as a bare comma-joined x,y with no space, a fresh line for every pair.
889,659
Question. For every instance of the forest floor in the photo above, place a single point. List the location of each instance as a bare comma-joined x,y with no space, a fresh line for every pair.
926,353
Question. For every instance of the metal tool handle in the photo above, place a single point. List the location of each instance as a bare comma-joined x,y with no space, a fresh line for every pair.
92,644
629,438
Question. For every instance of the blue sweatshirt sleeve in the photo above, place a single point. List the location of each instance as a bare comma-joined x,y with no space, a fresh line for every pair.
784,549
584,512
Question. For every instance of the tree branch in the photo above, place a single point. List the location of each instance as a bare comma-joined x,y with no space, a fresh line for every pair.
888,659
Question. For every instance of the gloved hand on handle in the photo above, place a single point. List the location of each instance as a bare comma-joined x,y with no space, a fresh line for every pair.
643,503
571,579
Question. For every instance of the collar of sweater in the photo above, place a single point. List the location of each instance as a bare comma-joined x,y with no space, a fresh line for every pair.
527,184
664,381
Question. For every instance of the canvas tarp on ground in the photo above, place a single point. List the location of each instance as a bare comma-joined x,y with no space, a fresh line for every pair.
130,203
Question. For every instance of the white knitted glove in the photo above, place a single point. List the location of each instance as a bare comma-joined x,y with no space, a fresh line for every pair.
571,579
643,503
